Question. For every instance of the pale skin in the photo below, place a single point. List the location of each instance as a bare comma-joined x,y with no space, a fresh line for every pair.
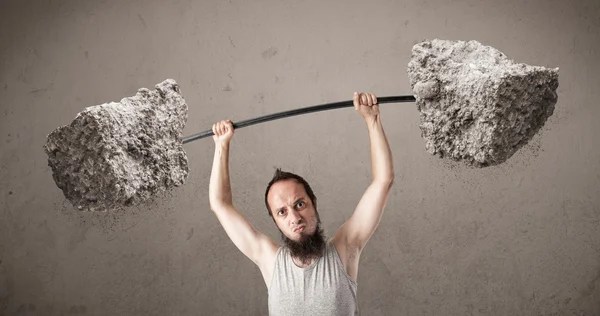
291,207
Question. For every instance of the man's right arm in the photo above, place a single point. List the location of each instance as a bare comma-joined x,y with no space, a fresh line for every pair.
252,243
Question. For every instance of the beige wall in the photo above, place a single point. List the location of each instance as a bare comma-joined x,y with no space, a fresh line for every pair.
521,238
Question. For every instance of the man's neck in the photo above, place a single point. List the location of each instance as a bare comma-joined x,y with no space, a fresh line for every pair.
299,264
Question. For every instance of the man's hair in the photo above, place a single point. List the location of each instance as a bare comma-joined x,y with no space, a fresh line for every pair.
283,175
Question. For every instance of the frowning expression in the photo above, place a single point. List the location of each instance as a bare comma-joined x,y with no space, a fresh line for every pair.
292,209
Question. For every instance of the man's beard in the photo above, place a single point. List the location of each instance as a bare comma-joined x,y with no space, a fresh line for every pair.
308,247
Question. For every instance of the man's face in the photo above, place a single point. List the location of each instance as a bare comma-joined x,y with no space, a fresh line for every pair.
292,210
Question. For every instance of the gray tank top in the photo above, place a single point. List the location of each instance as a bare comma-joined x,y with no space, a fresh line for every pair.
323,288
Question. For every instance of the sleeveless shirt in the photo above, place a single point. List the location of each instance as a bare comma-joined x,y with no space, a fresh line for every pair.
323,288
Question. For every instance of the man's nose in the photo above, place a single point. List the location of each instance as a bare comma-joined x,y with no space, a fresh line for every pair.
295,217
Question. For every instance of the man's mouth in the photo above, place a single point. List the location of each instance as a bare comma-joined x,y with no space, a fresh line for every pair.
299,229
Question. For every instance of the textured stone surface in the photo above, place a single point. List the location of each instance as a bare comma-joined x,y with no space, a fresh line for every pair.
477,105
121,153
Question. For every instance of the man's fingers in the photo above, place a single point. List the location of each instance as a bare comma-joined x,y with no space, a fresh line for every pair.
365,102
222,127
366,99
361,98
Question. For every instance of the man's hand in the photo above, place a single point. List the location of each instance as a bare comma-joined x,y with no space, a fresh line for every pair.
366,105
223,131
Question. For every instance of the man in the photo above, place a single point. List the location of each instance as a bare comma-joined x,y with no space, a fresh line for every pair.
309,275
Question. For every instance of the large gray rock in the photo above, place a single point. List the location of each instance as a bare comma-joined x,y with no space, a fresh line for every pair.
121,153
476,105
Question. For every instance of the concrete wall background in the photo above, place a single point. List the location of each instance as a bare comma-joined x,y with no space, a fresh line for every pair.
521,238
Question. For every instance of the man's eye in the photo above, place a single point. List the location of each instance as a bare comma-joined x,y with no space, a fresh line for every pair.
300,204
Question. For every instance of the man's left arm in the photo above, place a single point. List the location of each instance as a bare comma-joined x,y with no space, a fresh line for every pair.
359,228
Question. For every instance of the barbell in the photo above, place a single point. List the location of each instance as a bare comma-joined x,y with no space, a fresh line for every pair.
476,106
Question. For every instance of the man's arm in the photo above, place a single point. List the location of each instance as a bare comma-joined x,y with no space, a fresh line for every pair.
248,240
359,228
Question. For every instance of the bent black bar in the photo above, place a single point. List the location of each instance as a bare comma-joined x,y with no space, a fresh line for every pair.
310,109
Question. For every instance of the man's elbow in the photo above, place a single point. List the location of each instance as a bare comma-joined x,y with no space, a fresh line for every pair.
213,206
217,204
387,181
391,180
